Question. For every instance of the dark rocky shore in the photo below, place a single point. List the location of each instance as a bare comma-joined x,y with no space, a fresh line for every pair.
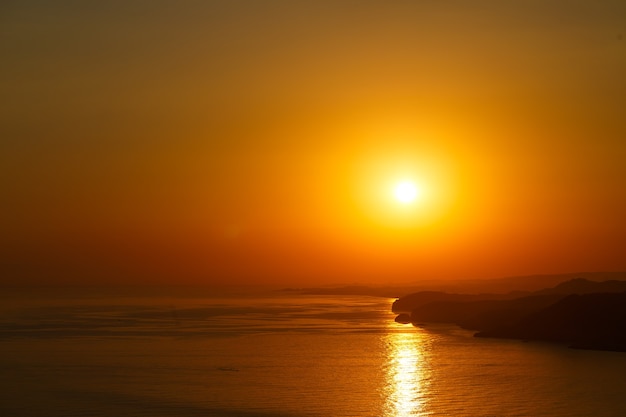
580,313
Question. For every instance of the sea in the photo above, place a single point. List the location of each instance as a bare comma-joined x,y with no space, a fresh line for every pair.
262,353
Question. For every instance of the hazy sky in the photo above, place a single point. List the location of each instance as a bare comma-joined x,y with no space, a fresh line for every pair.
258,141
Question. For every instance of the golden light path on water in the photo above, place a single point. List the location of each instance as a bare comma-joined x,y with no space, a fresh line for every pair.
407,376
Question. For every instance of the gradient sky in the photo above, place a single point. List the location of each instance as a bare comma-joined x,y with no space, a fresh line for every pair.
256,141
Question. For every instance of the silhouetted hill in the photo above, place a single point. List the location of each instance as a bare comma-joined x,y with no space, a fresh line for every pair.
568,312
589,321
482,314
412,301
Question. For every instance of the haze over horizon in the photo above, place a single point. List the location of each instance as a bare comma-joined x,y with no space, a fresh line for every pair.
249,142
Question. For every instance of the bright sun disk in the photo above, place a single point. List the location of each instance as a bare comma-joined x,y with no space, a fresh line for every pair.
406,192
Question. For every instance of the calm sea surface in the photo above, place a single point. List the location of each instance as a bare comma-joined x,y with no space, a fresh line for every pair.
280,354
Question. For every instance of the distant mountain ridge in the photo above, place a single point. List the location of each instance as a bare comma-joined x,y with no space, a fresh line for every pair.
531,283
521,285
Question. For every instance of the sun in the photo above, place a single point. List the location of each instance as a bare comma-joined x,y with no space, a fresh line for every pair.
406,192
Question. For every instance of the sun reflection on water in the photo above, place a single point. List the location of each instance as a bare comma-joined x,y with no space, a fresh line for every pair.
407,373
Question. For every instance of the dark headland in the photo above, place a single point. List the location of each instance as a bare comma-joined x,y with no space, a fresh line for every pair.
580,312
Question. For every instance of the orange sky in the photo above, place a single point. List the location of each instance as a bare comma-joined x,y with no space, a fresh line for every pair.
258,142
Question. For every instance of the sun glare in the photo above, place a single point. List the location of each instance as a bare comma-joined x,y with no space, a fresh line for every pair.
406,192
